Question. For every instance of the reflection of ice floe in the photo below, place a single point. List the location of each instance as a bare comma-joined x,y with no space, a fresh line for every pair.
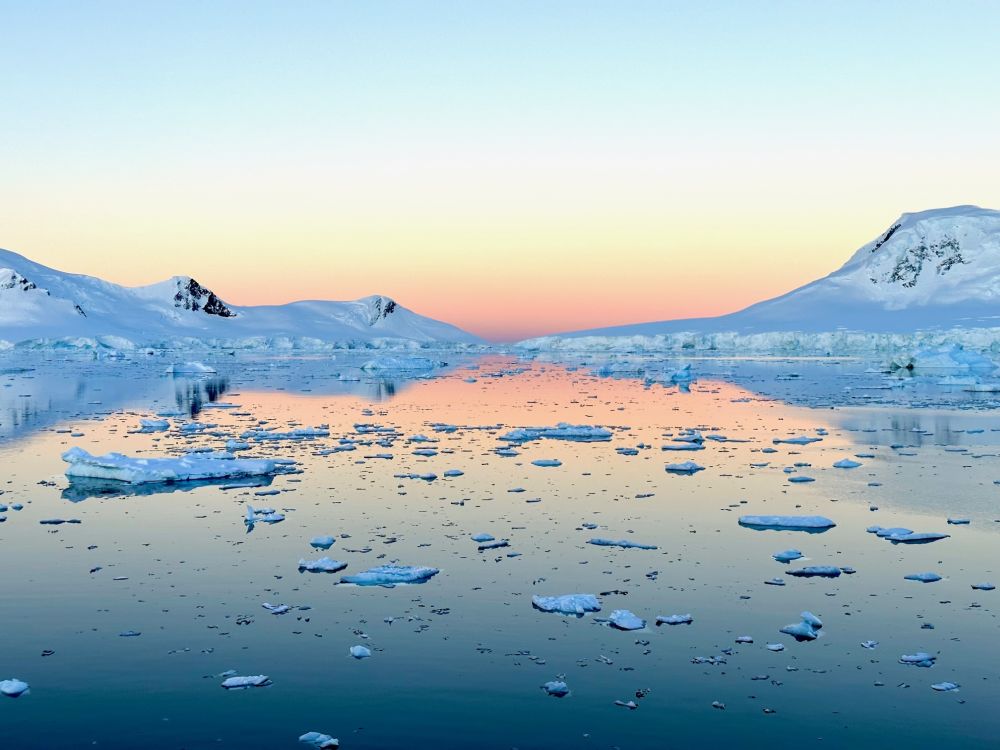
190,368
82,488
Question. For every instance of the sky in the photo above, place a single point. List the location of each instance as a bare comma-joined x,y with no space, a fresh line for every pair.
515,168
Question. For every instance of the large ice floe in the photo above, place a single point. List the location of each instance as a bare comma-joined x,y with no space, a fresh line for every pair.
189,467
567,604
391,575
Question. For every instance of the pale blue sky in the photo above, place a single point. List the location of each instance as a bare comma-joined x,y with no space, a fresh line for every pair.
414,143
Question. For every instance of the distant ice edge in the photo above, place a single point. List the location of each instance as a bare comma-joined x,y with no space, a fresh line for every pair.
834,343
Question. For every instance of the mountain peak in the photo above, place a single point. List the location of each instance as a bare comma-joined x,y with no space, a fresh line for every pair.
190,295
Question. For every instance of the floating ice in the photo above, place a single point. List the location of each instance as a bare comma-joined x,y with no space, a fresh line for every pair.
400,364
153,425
923,577
360,652
14,688
815,571
983,586
945,687
483,537
322,542
556,688
563,431
787,555
683,446
567,604
806,630
391,575
244,682
547,462
323,565
800,479
798,440
674,620
685,467
625,620
788,523
846,463
189,467
919,659
625,543
319,741
900,535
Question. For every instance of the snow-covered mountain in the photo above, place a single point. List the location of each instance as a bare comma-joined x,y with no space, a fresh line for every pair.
929,271
43,306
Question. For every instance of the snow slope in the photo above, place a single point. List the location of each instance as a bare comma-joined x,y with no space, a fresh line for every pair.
929,271
42,305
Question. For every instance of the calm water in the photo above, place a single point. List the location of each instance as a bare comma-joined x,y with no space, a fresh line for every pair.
458,662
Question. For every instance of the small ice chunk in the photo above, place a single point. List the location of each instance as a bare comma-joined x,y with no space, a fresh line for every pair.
923,577
983,586
244,682
546,462
846,463
945,687
685,467
787,555
483,537
319,741
322,542
360,652
14,688
622,619
556,688
674,620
